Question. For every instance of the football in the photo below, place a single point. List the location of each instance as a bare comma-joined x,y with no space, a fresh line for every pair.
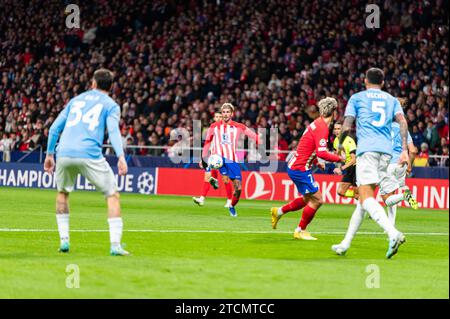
215,161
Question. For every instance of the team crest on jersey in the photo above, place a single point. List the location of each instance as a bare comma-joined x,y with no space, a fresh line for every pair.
323,142
225,139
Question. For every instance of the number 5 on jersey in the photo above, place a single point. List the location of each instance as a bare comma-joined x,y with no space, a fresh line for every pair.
90,117
378,107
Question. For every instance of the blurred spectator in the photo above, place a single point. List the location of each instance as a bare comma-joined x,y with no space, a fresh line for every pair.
417,136
423,156
6,144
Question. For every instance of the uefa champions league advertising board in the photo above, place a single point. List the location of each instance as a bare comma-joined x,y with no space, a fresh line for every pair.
431,193
137,180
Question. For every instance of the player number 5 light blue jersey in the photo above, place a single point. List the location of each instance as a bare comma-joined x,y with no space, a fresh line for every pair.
83,122
374,111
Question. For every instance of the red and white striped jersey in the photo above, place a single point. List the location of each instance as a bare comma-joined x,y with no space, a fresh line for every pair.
222,139
312,144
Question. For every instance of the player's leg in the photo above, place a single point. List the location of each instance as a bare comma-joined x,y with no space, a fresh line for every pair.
389,186
301,180
62,220
229,190
353,226
372,170
396,180
213,178
400,173
234,173
205,188
345,190
100,174
277,212
237,188
115,225
347,187
66,174
313,203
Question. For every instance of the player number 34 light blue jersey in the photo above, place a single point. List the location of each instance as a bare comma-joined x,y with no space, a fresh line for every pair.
83,122
374,111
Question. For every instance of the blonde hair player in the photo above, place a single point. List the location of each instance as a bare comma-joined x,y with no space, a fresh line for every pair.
211,177
312,145
221,139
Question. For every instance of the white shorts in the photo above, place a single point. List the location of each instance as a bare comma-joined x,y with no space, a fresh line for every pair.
371,169
97,172
395,179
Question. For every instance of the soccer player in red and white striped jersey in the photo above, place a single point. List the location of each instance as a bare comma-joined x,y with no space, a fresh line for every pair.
312,145
222,139
211,176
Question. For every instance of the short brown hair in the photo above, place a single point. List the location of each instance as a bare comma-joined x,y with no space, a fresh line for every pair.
104,79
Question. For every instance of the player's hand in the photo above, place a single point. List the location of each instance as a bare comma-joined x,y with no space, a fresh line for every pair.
122,165
409,169
49,164
404,158
337,171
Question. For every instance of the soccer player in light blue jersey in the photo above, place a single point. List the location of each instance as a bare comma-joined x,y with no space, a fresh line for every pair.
82,123
397,175
374,111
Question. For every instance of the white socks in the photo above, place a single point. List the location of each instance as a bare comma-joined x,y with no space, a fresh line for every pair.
202,198
115,231
394,199
63,226
353,226
392,212
279,212
377,213
115,228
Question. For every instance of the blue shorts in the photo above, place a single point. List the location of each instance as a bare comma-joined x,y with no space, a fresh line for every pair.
304,181
231,169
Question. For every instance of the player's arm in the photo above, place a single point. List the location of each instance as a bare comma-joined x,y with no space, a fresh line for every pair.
254,136
412,153
112,124
56,129
351,162
320,141
401,120
206,147
53,134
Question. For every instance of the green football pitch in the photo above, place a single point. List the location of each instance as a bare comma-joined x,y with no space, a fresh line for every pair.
181,250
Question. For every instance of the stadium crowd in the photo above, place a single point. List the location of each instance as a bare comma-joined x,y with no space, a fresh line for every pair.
177,61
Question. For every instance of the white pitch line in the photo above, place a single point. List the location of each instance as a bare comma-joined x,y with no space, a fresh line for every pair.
5,230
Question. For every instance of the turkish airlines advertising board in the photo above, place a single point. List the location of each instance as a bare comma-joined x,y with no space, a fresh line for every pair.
430,193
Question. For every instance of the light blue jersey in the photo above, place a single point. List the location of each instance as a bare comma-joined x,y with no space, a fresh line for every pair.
397,142
83,122
374,111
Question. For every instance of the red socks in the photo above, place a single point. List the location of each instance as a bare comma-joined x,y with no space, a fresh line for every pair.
229,190
215,173
296,204
307,217
234,201
205,188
